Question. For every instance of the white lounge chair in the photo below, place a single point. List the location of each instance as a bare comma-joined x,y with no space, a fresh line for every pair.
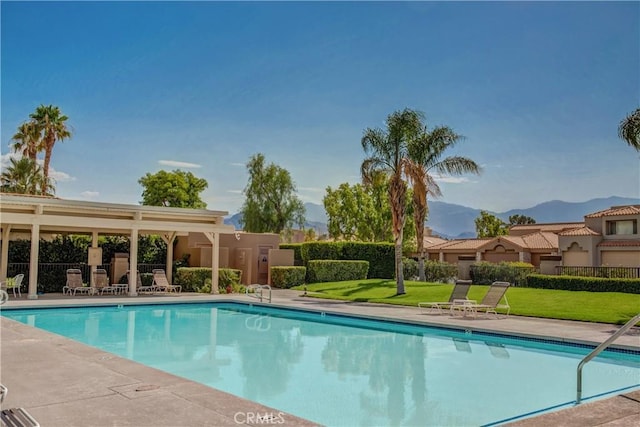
459,293
140,288
162,284
490,303
75,284
101,282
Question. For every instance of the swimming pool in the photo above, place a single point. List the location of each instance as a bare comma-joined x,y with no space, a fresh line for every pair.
344,371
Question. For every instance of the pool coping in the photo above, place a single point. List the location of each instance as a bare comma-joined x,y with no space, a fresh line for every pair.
201,398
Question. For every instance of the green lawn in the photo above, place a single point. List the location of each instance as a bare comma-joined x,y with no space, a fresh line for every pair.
604,307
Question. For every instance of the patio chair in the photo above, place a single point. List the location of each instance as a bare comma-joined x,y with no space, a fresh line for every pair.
490,303
162,284
75,284
140,288
458,294
15,416
101,282
13,283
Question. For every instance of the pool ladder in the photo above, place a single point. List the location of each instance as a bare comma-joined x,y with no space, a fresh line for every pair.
258,291
599,349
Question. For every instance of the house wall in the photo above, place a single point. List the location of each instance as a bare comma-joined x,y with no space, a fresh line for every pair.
580,249
620,258
575,256
248,252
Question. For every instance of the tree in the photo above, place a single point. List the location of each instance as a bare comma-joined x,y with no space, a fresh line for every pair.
271,204
387,151
51,124
521,219
361,212
629,129
425,158
27,140
488,225
176,189
25,176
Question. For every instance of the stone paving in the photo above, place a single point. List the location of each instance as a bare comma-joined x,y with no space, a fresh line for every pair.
65,383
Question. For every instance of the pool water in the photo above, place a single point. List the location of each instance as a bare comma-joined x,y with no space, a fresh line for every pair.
345,371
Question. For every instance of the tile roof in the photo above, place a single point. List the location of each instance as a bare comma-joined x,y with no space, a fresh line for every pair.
430,241
542,240
617,243
556,227
532,241
582,231
615,211
460,244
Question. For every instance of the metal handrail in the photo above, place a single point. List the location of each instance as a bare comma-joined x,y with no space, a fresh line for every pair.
258,291
599,349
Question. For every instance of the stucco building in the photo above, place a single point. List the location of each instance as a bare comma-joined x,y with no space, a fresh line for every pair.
605,238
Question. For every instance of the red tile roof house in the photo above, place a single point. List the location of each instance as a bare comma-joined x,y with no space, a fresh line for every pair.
606,238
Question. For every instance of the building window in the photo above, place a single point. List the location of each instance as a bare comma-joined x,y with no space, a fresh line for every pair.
627,226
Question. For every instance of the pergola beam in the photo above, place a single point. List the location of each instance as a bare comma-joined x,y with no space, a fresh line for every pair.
36,215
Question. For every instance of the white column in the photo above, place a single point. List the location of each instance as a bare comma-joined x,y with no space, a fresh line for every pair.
94,244
169,239
4,260
133,262
215,263
33,261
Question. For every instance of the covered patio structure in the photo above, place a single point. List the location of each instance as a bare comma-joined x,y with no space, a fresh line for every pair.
35,216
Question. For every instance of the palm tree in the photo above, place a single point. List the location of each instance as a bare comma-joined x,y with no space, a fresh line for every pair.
629,129
25,176
27,140
387,151
424,158
51,123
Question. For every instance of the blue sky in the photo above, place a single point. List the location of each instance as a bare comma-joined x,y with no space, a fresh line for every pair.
537,89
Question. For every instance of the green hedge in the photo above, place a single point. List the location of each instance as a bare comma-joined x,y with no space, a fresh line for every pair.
193,279
381,256
485,273
589,284
287,277
336,271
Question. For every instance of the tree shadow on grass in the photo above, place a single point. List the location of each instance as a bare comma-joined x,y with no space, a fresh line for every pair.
365,287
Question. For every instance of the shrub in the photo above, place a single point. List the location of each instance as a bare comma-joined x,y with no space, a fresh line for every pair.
320,250
410,268
193,279
381,257
287,277
436,271
589,284
337,271
484,273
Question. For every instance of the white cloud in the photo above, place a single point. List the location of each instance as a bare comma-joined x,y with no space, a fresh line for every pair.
451,179
60,176
238,164
89,194
5,159
234,191
177,164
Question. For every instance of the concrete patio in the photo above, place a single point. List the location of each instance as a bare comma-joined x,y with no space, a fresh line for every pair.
65,383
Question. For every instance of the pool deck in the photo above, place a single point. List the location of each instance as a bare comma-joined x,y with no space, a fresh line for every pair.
64,383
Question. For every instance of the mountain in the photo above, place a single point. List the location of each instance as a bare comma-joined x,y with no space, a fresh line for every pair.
457,221
450,220
316,219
